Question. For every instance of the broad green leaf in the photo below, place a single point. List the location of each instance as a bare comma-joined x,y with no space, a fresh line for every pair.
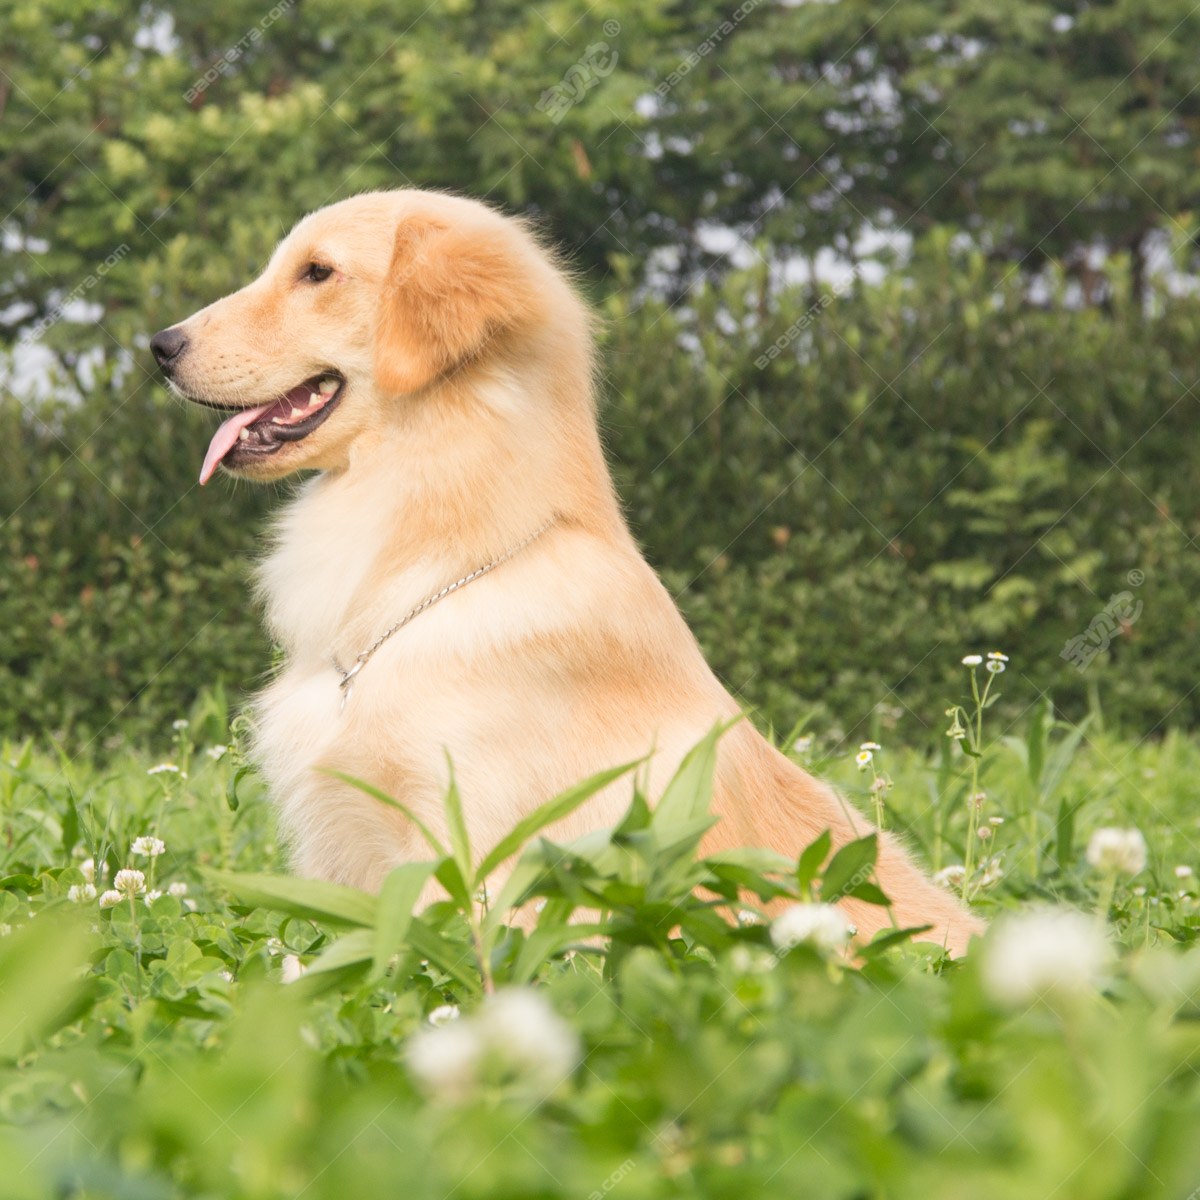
397,900
311,898
689,794
811,859
850,866
887,938
350,950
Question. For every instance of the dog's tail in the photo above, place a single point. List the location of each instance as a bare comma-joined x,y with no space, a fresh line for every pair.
764,799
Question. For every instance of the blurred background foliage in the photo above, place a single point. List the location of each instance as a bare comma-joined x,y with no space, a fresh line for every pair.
900,326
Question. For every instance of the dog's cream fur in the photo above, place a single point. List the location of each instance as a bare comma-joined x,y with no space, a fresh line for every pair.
468,420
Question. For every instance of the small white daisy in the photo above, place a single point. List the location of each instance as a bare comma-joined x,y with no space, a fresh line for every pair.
952,876
870,746
995,666
216,753
996,656
803,744
164,768
179,724
863,758
972,660
1182,872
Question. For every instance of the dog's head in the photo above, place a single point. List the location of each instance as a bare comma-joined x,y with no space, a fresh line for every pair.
363,304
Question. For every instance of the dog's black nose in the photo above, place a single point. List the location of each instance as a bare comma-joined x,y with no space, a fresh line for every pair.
167,345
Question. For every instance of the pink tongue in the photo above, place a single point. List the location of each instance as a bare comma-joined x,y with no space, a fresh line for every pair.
225,437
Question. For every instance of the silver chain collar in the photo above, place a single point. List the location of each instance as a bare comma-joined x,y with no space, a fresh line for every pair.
347,681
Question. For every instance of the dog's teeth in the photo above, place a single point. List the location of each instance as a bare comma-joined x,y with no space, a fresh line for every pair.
278,421
328,387
297,412
314,399
243,435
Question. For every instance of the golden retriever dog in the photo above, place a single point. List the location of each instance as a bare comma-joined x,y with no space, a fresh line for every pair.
457,582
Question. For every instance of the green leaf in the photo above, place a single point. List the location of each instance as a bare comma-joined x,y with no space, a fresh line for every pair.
450,877
546,814
351,950
886,939
460,842
542,944
849,867
813,855
397,900
313,899
689,793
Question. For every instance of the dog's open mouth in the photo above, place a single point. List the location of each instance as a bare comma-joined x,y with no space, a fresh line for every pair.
253,432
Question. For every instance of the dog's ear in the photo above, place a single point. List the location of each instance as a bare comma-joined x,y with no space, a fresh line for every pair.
447,293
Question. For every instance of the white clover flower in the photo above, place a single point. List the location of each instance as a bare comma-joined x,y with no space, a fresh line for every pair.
953,876
1044,952
179,724
983,832
129,882
77,893
5,930
163,768
447,1061
111,898
153,895
443,1013
863,758
274,946
870,746
216,753
820,925
525,1031
291,968
747,917
177,889
150,847
87,869
972,660
995,820
1182,872
1117,851
515,1034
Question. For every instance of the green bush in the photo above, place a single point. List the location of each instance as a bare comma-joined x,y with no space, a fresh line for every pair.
931,465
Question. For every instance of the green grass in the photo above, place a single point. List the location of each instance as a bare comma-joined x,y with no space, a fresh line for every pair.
154,1051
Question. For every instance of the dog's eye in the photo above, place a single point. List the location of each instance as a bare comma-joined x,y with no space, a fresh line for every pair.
317,273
